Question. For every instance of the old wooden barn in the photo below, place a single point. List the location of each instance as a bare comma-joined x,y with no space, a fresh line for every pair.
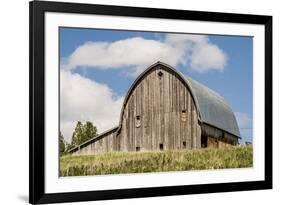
164,110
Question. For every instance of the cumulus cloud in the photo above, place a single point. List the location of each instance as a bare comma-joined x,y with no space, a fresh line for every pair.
86,100
137,53
207,57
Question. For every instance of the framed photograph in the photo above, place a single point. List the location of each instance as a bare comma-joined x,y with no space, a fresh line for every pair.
130,102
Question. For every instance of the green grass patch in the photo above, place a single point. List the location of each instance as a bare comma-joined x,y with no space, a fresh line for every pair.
156,161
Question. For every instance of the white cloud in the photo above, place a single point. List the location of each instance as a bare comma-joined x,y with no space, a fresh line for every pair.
123,53
179,39
206,57
198,52
137,53
83,100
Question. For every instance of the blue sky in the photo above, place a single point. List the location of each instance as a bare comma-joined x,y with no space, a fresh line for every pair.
91,58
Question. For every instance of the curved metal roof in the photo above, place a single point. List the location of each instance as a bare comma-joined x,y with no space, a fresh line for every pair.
212,107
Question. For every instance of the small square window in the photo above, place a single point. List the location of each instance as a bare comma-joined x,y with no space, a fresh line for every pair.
160,74
161,147
137,149
183,116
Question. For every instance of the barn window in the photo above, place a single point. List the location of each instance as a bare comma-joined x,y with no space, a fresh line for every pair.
137,149
204,141
160,74
183,116
138,121
184,144
161,147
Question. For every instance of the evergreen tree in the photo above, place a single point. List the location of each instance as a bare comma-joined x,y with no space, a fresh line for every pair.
77,135
89,131
83,133
68,146
61,144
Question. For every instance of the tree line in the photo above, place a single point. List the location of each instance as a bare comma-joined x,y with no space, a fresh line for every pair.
81,133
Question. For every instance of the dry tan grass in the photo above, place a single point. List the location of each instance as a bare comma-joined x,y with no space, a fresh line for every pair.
156,161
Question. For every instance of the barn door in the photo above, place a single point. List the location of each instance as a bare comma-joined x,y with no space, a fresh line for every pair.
204,140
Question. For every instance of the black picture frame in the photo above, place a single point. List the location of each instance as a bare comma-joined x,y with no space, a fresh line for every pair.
37,10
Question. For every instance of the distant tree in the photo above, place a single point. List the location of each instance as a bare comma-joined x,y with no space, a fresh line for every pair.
68,146
89,131
77,135
61,144
83,133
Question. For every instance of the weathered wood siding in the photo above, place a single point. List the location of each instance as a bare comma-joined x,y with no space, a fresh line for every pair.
159,102
216,137
103,143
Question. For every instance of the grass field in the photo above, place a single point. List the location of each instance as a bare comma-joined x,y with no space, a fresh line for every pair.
157,161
